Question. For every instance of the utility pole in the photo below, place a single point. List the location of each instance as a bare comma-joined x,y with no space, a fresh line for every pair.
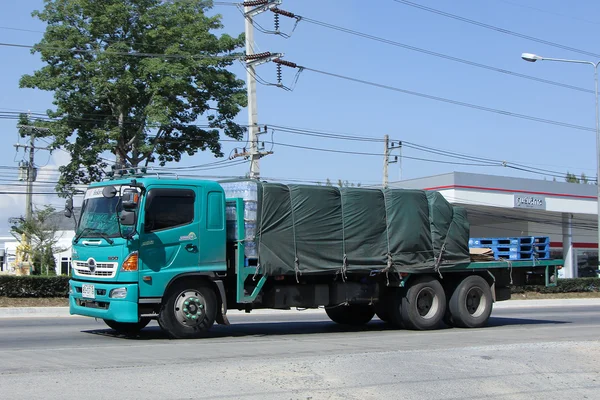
31,174
386,158
251,9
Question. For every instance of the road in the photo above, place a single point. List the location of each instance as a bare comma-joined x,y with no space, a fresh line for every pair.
525,353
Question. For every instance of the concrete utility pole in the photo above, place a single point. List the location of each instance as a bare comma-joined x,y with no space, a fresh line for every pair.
251,9
31,170
386,159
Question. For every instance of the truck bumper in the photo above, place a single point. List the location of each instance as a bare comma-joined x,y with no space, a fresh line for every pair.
102,305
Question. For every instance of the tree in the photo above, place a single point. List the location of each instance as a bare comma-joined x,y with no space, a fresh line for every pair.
572,178
41,232
132,77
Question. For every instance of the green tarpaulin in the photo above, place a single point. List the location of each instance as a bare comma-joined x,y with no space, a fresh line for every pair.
323,229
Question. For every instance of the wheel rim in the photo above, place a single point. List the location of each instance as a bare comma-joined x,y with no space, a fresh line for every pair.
475,302
190,308
428,303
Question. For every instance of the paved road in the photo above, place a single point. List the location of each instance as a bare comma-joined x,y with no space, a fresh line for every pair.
538,353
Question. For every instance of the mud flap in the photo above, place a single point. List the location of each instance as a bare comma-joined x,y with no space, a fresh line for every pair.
221,317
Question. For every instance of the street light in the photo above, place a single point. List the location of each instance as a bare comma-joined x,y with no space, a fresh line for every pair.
533,58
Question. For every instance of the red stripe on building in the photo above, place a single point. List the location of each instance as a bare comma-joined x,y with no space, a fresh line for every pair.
576,245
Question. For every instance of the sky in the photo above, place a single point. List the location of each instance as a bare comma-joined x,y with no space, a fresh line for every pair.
480,118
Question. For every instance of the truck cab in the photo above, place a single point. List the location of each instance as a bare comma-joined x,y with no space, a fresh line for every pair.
137,240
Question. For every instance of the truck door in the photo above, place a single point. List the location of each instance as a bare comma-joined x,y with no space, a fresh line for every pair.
169,236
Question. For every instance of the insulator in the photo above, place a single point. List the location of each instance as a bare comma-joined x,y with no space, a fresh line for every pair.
254,3
258,55
276,22
278,73
283,12
286,63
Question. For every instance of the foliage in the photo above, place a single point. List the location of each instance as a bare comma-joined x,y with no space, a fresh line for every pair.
572,178
575,285
41,232
340,183
132,77
34,286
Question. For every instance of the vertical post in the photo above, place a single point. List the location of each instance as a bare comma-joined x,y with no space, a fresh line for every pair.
597,154
400,160
30,177
252,110
386,156
567,239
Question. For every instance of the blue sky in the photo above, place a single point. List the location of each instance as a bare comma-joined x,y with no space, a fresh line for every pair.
325,103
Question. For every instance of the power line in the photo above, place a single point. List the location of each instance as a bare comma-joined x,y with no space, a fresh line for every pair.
122,53
450,101
444,56
495,28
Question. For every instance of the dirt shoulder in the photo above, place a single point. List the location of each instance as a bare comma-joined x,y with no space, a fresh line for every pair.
31,302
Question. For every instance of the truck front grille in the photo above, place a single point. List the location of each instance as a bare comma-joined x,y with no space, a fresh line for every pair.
101,270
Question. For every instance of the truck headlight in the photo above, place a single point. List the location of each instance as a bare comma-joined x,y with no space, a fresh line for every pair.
118,293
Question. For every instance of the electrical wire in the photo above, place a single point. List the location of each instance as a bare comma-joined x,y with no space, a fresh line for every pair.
495,28
444,56
454,102
125,53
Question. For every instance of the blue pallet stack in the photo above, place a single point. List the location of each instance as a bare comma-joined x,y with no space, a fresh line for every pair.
515,248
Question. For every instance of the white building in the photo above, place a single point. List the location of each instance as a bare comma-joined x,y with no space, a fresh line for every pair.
64,234
500,206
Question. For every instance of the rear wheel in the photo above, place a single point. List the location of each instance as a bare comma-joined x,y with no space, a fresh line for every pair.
423,305
189,311
353,314
127,328
471,303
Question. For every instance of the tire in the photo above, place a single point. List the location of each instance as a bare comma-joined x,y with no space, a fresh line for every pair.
382,307
382,311
189,311
471,303
127,328
423,304
353,314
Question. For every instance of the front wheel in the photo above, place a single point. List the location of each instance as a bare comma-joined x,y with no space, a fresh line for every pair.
189,311
353,314
471,303
127,328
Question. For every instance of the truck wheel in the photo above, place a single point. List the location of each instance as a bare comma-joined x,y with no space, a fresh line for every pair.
382,311
353,314
189,311
128,328
471,303
423,305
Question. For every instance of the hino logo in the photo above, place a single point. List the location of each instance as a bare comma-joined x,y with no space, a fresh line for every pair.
91,264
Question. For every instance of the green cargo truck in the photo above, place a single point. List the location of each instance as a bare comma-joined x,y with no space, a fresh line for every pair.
184,251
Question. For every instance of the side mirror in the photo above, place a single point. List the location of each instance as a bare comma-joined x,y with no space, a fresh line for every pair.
69,208
130,199
127,218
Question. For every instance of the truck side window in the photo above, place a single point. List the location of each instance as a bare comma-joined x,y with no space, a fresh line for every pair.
168,208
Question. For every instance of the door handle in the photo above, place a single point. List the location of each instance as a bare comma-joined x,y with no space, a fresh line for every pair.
191,247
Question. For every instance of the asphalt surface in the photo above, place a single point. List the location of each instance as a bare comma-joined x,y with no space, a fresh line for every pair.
525,353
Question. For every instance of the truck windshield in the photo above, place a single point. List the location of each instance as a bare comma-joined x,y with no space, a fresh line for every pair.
99,215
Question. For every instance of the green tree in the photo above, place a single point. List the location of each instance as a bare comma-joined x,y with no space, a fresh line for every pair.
132,77
41,232
571,178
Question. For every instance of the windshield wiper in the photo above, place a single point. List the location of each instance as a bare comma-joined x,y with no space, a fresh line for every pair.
102,235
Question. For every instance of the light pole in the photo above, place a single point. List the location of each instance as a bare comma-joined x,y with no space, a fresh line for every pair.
533,58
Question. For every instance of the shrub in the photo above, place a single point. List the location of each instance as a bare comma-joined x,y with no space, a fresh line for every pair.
576,285
34,286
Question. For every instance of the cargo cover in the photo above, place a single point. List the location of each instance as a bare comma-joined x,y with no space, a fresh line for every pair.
306,229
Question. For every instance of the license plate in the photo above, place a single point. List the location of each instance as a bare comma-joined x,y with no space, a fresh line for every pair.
88,291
